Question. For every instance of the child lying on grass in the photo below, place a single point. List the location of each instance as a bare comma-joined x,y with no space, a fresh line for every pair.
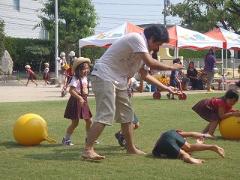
172,144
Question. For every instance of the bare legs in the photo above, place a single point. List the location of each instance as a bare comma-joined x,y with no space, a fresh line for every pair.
32,81
93,134
203,147
198,147
88,125
96,130
127,130
72,126
187,158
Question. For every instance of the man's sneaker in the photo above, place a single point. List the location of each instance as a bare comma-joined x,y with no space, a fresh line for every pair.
121,141
67,142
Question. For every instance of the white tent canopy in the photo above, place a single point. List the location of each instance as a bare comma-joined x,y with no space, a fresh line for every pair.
185,38
107,38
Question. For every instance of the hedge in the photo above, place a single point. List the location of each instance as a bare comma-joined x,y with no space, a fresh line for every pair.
17,49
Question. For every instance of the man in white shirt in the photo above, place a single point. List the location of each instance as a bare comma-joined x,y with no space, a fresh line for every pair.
111,72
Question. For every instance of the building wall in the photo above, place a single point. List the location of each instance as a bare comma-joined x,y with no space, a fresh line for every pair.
21,17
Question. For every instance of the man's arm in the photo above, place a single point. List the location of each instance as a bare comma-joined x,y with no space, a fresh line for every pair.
154,64
150,79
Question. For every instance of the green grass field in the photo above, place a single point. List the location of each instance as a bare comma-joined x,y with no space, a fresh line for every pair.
54,161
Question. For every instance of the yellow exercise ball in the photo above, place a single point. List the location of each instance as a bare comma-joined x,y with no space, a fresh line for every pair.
31,129
230,128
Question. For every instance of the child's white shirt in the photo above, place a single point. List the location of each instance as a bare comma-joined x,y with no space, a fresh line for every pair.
76,83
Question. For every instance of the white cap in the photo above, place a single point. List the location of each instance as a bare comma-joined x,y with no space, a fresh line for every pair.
72,53
62,54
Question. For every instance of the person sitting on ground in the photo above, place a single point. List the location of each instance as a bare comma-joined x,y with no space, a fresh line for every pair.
173,144
192,74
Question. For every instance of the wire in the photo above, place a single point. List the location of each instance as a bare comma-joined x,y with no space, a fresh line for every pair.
118,18
126,4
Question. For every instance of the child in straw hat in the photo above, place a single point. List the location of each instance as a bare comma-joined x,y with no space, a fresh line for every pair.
77,106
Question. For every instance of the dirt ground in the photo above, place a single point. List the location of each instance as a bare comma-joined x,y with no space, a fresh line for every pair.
16,91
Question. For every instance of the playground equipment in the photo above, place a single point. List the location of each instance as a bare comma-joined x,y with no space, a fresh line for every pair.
31,129
165,80
230,128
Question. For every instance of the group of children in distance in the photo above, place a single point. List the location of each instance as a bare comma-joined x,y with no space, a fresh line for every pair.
172,143
31,76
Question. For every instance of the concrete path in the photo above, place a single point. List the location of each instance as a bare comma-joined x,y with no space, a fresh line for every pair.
16,91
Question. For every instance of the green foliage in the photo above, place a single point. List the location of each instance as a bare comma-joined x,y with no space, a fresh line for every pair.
93,52
54,161
203,15
77,19
30,51
2,36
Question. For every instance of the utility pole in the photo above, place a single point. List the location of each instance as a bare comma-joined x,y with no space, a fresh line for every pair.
165,11
56,39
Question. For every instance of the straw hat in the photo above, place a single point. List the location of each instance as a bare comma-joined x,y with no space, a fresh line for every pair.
79,61
27,66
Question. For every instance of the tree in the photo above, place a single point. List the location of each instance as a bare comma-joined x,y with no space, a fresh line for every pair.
2,36
77,19
37,53
203,15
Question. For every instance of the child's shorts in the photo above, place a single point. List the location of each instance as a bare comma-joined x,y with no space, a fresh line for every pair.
169,145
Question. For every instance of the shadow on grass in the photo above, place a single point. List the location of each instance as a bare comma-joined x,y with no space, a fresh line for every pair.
12,144
71,153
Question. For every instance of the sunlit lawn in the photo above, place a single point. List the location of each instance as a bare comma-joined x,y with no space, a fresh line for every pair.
55,161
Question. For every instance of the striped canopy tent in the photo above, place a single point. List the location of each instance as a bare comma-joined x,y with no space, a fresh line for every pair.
180,37
230,39
105,39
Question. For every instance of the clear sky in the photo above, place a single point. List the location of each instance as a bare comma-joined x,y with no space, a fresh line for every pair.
112,13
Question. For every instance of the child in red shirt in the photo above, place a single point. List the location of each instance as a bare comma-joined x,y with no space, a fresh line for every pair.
215,109
31,75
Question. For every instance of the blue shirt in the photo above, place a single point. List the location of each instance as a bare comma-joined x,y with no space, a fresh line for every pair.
209,63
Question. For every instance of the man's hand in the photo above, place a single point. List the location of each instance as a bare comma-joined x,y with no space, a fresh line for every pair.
177,66
173,90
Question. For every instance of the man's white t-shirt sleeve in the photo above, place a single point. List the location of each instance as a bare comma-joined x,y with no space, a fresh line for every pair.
137,43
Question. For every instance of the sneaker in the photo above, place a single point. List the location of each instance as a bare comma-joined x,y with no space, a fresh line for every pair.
121,141
67,142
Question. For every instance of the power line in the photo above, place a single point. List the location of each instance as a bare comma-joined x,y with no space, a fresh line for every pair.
126,4
132,15
118,18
